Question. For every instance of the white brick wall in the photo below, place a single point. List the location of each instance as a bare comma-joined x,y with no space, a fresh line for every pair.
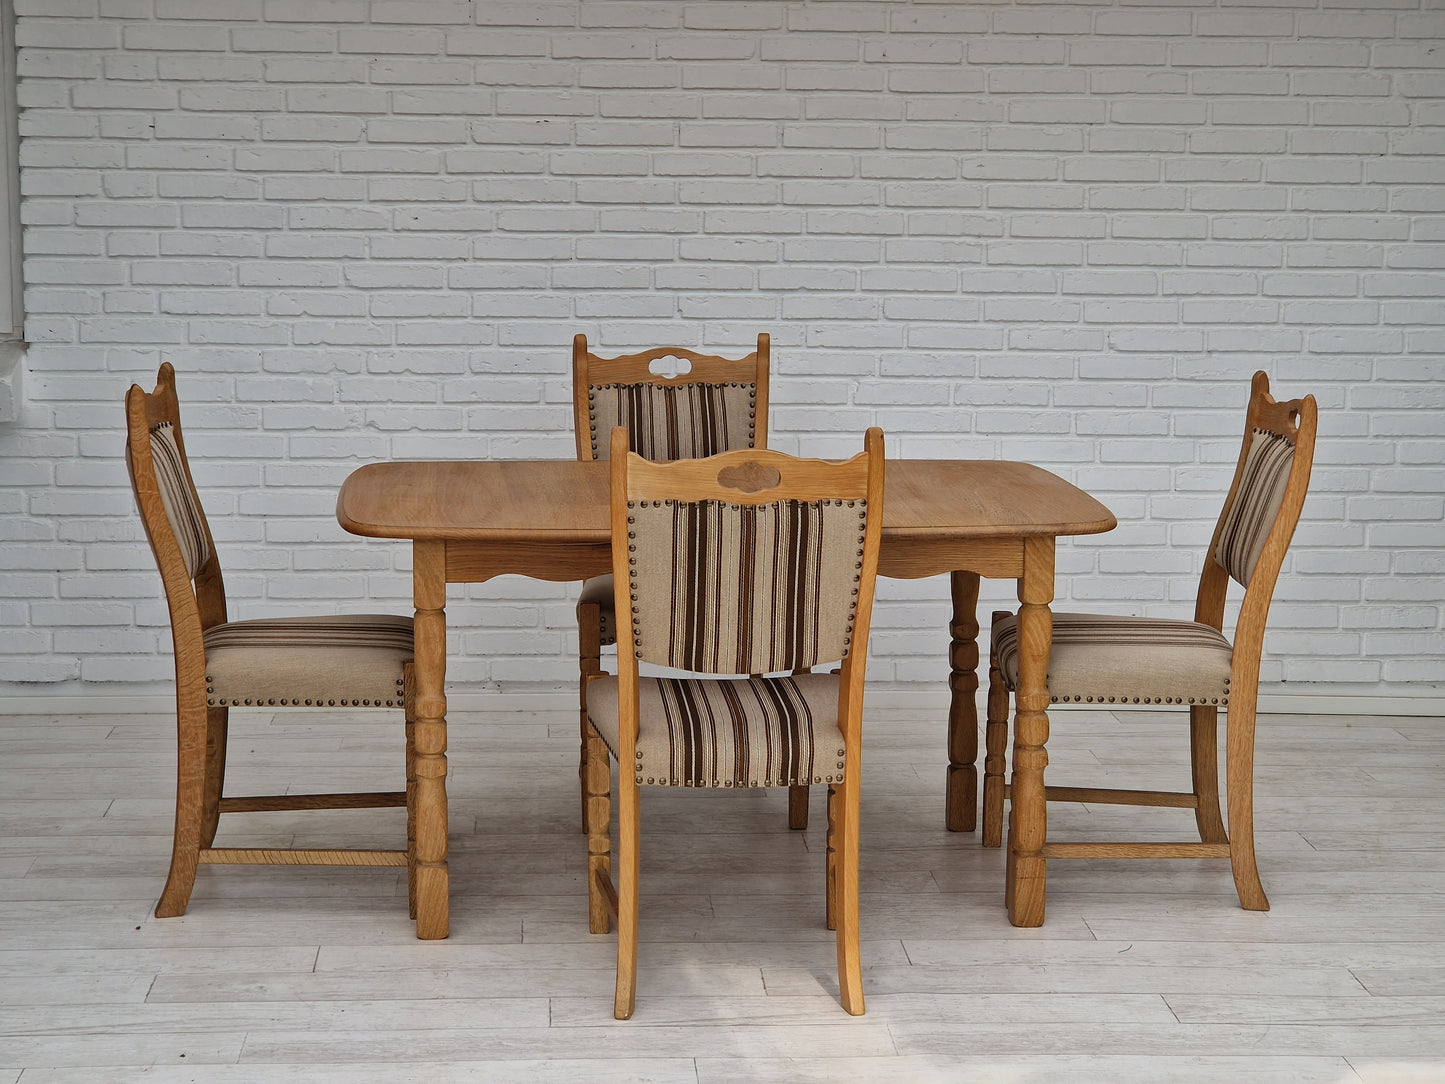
1067,233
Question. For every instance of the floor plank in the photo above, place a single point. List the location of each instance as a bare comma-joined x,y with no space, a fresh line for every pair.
1143,971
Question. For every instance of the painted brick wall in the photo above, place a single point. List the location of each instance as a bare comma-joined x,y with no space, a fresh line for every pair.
1067,233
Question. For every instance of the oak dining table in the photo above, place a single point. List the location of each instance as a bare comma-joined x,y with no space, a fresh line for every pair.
469,521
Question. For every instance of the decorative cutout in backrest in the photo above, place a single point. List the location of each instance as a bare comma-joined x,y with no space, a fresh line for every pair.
1250,516
673,421
749,477
186,518
722,588
669,367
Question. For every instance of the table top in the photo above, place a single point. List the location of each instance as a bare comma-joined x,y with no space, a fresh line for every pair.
563,500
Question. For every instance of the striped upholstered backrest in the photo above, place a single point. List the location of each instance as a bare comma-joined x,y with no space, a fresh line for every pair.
668,422
1247,521
726,588
185,516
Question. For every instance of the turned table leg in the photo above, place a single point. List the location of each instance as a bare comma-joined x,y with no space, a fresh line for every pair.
429,589
1028,826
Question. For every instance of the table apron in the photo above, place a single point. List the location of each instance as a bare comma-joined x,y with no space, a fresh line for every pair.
903,559
475,562
914,558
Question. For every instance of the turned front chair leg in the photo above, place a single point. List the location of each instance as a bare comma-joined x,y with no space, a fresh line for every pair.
599,834
408,679
830,862
995,760
961,785
589,663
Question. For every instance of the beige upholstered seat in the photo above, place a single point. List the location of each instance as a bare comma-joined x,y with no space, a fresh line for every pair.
1107,660
715,405
355,661
743,570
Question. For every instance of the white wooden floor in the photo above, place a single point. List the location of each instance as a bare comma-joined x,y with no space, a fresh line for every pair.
1143,972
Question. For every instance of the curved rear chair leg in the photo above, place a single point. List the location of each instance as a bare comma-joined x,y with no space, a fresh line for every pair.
629,836
216,729
589,664
995,761
191,735
845,909
1204,769
1239,769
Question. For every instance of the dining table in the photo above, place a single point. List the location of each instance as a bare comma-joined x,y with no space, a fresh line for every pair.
471,520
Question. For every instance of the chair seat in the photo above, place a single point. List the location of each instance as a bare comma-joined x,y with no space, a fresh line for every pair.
354,660
729,732
599,590
1104,659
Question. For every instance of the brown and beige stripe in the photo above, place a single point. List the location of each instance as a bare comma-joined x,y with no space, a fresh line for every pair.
722,588
749,732
1251,515
666,422
178,498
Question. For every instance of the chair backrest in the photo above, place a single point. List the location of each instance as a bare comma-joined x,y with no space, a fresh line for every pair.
750,562
1262,509
717,405
170,509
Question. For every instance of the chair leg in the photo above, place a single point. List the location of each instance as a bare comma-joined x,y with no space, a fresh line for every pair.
995,761
830,863
1204,768
1239,776
408,672
589,664
845,908
797,808
599,833
191,736
216,729
629,836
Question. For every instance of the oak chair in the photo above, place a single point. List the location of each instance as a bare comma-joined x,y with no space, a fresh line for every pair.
743,564
1103,660
715,405
354,661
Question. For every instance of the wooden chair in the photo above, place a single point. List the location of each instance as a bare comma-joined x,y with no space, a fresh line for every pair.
747,563
356,661
717,405
1102,660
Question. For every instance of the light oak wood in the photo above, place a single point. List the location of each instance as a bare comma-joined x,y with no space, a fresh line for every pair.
202,730
765,477
1295,420
590,370
551,519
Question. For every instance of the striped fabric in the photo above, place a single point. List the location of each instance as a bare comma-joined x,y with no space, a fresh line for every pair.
353,660
186,519
673,421
1250,516
749,732
721,588
1099,659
